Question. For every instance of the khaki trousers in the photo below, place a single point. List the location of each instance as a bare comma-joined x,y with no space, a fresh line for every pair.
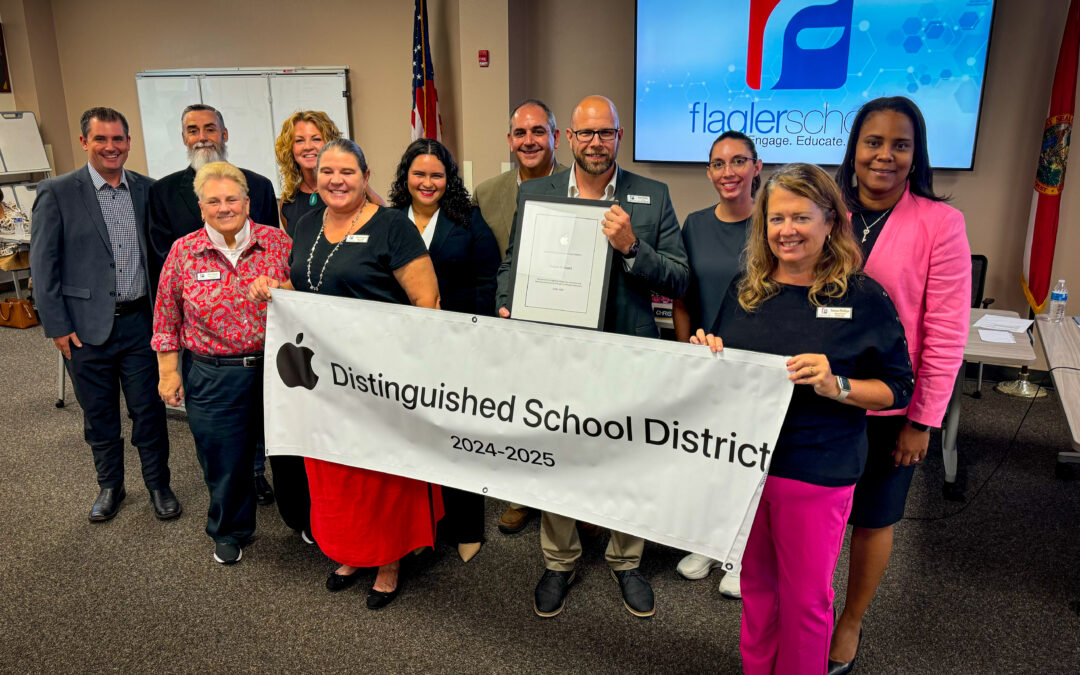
562,546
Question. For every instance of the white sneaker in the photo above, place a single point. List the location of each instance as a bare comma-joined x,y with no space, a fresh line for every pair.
696,566
729,586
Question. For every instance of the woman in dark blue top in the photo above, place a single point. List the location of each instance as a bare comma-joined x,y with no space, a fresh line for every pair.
802,294
714,239
429,190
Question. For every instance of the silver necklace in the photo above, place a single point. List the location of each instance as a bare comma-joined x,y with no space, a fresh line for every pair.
866,228
322,273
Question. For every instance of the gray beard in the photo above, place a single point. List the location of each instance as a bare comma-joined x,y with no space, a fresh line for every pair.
200,157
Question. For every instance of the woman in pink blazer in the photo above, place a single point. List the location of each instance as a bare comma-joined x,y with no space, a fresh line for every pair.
916,247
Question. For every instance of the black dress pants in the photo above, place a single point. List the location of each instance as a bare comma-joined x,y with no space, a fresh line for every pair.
98,374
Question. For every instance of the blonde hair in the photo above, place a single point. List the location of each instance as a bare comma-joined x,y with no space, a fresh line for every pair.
840,257
219,171
283,147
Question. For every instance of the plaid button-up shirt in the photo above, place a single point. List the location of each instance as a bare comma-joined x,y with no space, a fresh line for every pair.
119,214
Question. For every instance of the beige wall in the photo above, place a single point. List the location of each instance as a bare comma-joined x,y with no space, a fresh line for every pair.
995,197
535,51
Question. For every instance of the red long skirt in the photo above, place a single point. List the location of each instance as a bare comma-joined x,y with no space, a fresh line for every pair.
365,518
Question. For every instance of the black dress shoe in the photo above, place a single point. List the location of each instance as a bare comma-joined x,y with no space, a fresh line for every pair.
165,504
636,592
845,667
379,599
339,582
264,494
550,595
107,504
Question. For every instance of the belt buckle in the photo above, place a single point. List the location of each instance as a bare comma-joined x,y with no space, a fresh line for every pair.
251,361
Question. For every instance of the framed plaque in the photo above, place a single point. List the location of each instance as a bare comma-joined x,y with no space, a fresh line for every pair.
562,260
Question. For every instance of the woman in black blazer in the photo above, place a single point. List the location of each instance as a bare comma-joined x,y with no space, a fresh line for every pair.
429,190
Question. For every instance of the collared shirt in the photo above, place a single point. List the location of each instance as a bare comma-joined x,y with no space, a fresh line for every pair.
202,300
429,230
609,196
240,243
119,214
551,172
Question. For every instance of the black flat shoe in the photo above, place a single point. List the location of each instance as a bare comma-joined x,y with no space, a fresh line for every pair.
264,493
339,582
845,667
379,599
107,504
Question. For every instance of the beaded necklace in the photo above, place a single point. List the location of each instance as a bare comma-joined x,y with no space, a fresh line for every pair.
322,273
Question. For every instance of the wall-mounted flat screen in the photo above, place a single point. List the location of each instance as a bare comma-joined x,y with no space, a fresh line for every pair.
792,74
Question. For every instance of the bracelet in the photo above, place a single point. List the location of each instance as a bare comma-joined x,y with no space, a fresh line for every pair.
918,426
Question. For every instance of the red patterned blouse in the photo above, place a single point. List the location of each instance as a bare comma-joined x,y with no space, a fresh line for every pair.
202,300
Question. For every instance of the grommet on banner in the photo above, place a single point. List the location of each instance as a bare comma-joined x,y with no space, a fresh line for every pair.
485,489
474,319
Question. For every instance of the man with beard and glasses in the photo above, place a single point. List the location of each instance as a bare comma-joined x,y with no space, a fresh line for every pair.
533,137
642,228
174,213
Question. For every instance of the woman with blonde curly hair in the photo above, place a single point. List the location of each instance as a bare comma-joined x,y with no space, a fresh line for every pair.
297,150
803,293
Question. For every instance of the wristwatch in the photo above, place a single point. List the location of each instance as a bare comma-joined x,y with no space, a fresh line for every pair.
918,426
632,253
845,388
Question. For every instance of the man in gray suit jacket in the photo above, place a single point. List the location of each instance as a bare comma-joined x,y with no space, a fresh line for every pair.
642,228
88,259
533,137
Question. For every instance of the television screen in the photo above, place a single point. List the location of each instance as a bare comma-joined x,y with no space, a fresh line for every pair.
791,74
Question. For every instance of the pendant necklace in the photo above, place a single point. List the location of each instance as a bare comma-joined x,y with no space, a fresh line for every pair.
314,198
322,273
866,228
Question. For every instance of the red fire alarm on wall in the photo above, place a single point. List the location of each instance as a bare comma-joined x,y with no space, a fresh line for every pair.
484,58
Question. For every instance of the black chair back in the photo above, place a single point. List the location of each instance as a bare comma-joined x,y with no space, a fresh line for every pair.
978,282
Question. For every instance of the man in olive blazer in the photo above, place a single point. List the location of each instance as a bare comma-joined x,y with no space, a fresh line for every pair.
649,256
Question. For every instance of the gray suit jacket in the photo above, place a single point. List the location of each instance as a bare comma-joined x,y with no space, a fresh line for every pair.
497,199
660,264
71,256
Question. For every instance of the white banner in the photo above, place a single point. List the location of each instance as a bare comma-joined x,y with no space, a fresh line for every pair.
657,439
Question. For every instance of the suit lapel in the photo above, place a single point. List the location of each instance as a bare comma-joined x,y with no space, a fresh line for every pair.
187,193
442,231
623,184
93,207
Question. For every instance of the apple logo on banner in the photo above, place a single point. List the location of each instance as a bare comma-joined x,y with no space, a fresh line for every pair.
294,365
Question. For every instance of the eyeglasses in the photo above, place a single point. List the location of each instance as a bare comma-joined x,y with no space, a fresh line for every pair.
586,135
737,162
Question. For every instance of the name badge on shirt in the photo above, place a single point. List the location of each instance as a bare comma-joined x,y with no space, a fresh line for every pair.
639,199
208,276
834,312
356,238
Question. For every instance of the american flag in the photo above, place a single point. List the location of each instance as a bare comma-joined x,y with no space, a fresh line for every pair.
426,121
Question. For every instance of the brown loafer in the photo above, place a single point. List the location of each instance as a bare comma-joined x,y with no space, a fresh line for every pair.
514,520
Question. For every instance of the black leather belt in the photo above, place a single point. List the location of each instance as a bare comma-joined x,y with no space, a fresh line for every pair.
132,306
246,360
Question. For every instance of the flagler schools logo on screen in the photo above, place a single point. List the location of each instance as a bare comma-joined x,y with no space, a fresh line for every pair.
815,46
294,365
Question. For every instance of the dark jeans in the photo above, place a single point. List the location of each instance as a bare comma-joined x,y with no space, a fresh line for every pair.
224,409
291,490
98,373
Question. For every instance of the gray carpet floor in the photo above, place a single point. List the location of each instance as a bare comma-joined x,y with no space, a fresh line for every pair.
991,589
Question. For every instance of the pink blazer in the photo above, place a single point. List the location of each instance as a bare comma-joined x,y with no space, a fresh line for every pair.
923,261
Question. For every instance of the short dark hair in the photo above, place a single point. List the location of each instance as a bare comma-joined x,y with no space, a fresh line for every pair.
921,179
540,104
101,114
455,202
749,143
349,147
195,107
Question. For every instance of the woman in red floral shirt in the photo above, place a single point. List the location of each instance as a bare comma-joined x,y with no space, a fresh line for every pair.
202,306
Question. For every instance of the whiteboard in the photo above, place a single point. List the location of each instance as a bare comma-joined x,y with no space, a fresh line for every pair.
21,149
254,102
160,101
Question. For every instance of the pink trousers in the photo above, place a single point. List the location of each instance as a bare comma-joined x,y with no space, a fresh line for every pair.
787,575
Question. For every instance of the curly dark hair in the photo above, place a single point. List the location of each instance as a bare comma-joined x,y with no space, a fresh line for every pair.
456,203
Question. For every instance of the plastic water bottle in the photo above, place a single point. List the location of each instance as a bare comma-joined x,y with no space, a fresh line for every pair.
1058,296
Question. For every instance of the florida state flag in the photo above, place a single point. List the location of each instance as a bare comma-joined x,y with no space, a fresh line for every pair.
426,121
1050,173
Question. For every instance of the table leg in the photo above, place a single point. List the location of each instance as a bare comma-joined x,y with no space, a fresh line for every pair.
952,424
15,282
